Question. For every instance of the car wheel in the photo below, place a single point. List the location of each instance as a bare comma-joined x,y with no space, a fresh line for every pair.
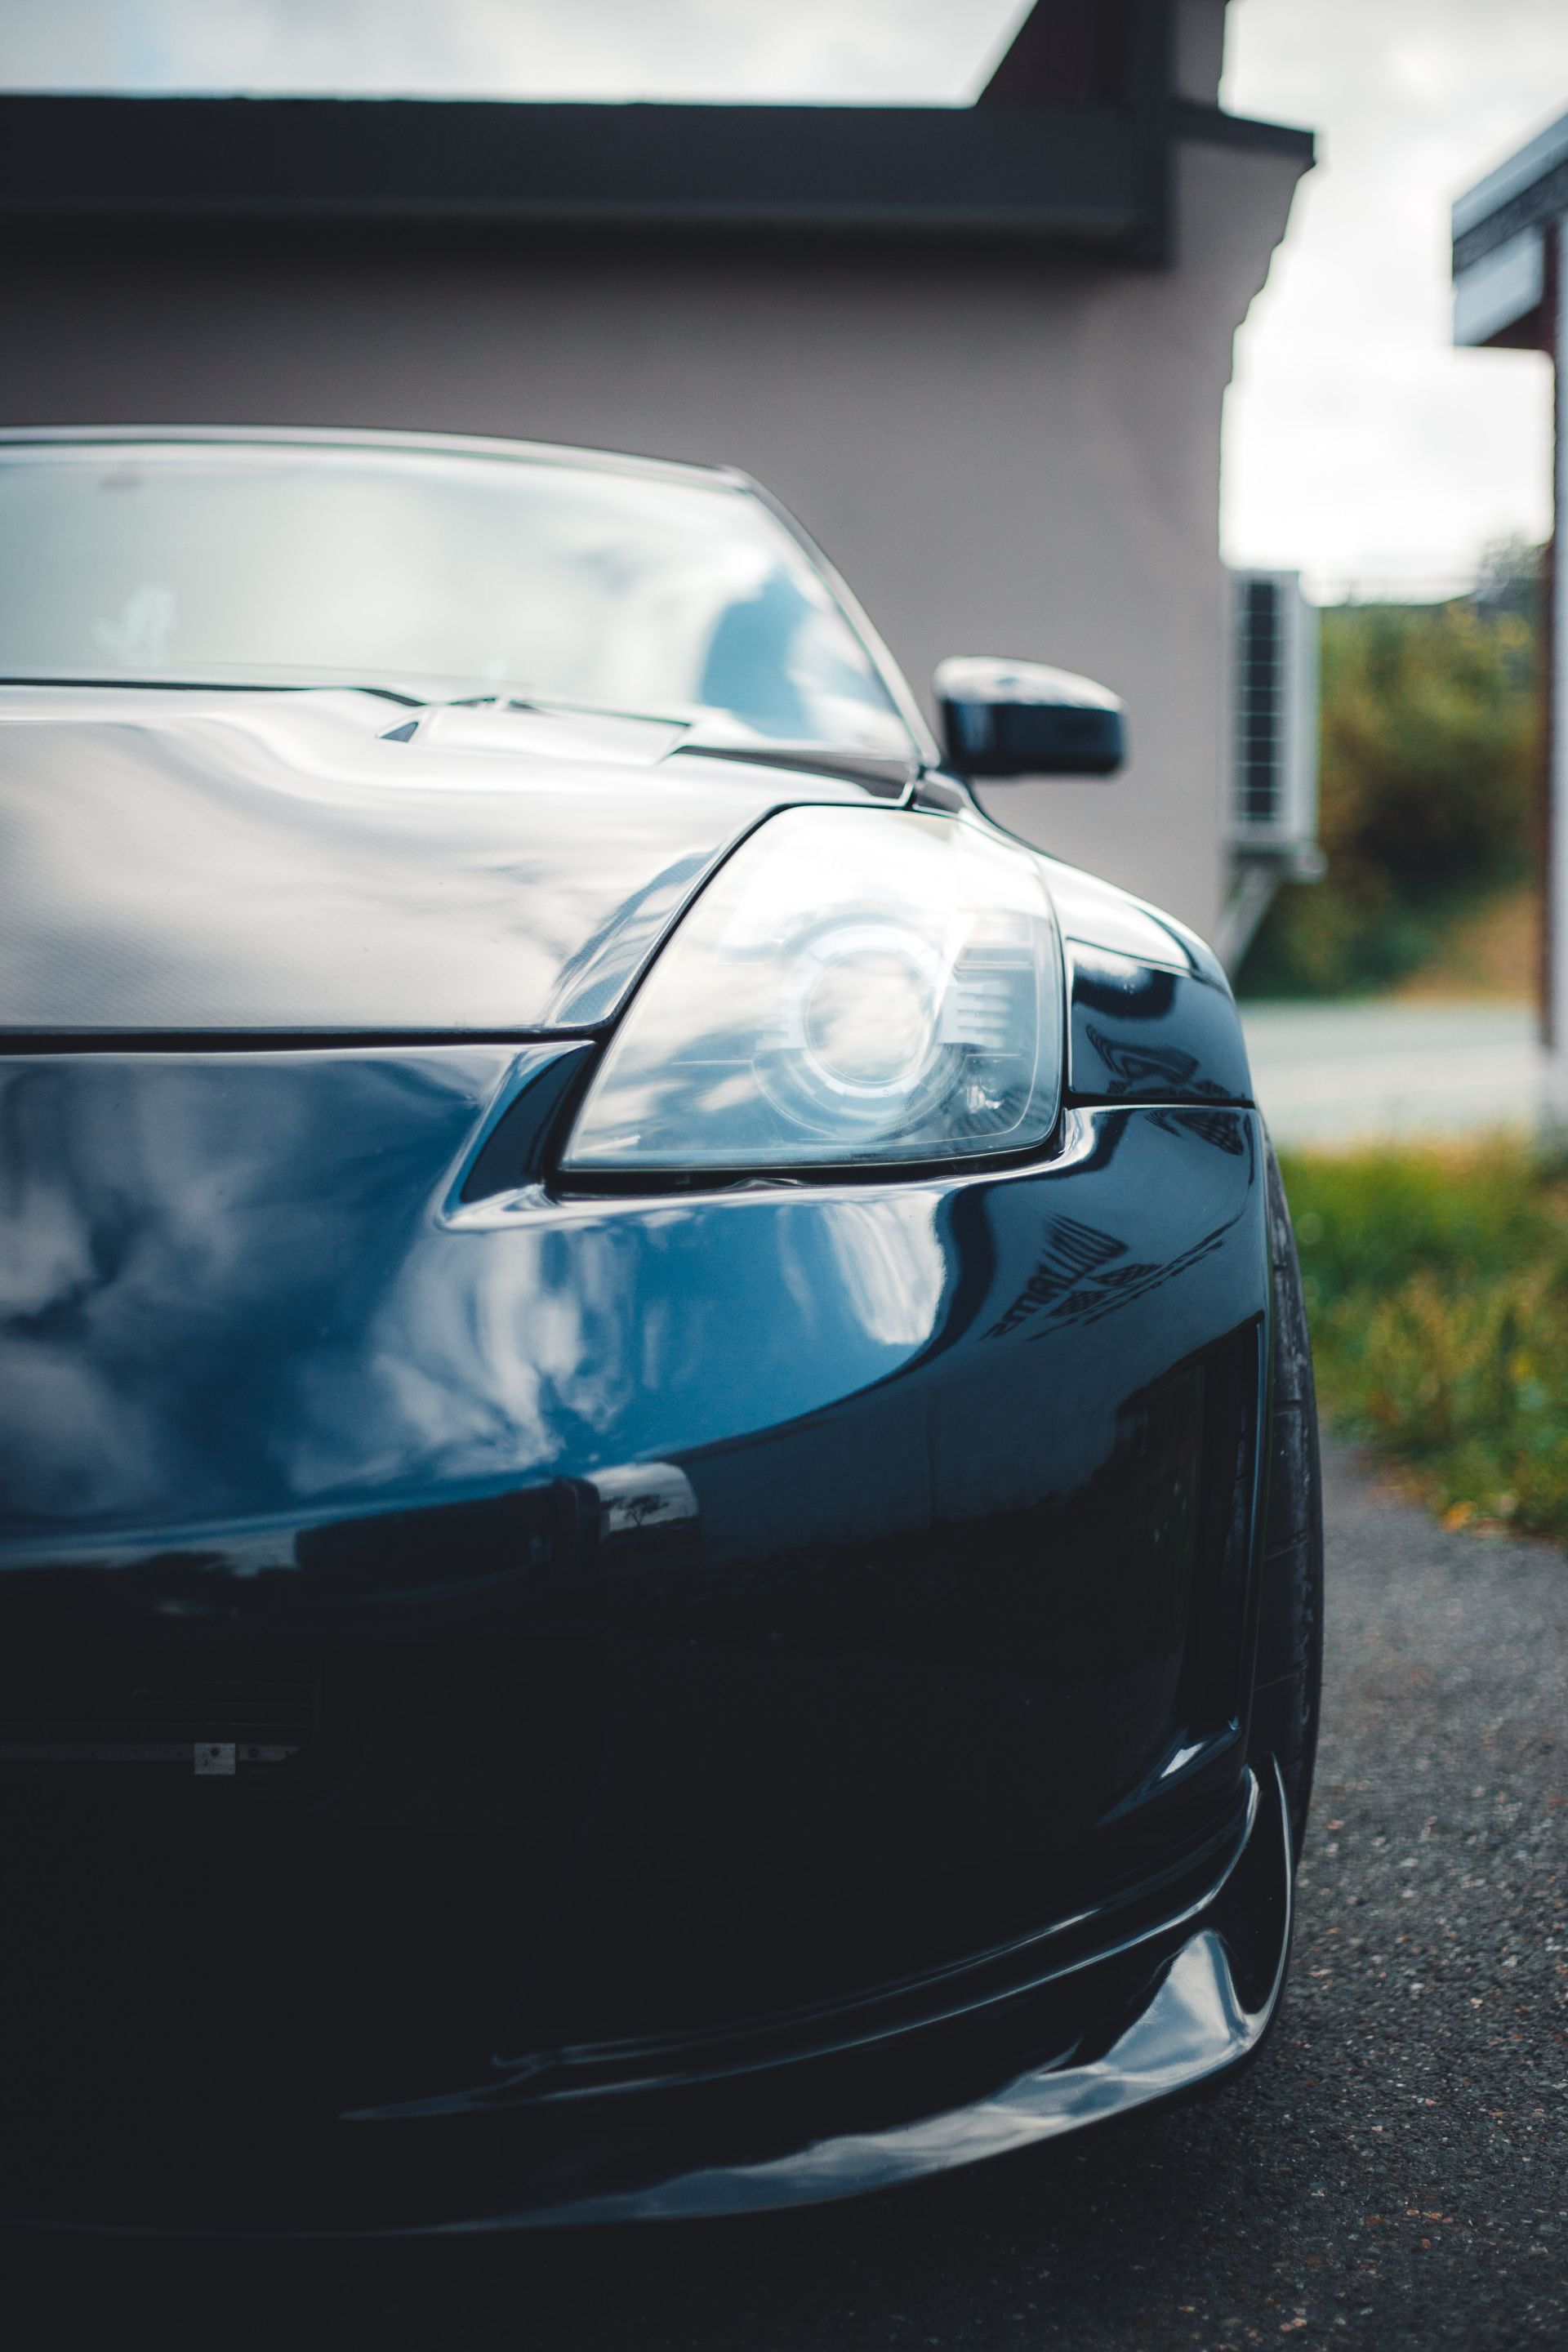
1289,1675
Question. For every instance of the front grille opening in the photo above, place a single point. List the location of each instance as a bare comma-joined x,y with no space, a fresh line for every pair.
195,1962
212,1710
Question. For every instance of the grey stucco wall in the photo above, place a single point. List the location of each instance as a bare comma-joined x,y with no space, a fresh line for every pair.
1012,453
1200,31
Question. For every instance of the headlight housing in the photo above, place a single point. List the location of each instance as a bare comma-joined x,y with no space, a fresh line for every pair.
855,986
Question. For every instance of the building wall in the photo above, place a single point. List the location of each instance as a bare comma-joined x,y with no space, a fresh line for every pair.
1011,452
1200,30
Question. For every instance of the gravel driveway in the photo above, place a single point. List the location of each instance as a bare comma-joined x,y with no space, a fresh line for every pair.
1394,2172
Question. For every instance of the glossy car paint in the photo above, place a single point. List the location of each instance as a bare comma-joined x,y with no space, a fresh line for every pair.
292,845
920,1676
784,1651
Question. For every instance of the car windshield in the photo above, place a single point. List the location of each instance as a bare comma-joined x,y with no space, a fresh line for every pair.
590,585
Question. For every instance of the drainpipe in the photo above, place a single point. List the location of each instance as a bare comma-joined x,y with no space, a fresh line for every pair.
1254,881
1554,649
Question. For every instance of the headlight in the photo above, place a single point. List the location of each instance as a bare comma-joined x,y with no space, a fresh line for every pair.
854,986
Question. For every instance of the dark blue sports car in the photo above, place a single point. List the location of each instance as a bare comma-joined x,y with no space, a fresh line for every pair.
659,1538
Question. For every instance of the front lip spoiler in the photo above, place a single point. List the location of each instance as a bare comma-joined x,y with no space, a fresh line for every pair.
966,1992
1208,2009
1199,2024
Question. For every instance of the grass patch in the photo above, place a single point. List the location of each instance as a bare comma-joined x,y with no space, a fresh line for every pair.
1436,1282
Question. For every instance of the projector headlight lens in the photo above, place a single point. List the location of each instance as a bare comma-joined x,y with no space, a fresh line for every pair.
855,986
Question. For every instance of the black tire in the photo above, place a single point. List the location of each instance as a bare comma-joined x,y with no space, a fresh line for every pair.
1289,1676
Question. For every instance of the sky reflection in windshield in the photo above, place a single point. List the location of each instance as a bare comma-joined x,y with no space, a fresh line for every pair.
619,590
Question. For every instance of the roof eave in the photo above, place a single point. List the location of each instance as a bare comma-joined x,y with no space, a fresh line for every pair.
1529,188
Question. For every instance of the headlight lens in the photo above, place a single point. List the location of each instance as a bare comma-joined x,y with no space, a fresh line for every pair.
855,986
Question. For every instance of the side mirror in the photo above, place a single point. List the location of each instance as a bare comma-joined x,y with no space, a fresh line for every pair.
1020,719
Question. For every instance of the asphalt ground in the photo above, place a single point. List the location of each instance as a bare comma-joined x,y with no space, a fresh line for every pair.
1393,2171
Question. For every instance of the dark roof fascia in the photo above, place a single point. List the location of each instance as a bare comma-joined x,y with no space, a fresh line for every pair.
1042,173
1196,124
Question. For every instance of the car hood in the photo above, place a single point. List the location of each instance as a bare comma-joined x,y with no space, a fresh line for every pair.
341,862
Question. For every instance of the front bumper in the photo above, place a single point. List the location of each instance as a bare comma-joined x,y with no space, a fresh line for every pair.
783,1663
1012,2051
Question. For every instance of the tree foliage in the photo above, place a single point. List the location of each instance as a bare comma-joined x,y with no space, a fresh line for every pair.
1428,777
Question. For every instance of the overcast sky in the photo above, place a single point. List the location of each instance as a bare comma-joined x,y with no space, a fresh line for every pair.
1358,446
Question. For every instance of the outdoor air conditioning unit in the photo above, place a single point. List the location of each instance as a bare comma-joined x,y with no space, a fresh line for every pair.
1274,783
1272,818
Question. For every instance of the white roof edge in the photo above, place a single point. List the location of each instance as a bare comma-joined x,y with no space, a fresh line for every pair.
1534,161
